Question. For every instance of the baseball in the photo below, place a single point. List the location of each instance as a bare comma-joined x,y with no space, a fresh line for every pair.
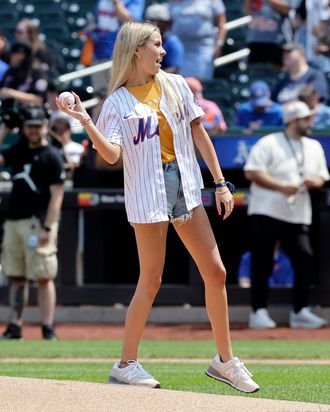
67,97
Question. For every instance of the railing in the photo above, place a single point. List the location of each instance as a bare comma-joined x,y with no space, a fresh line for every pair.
220,61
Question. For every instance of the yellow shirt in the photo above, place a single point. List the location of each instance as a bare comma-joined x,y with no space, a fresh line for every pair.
149,94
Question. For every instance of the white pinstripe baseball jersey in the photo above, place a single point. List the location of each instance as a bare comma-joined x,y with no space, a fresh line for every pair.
134,126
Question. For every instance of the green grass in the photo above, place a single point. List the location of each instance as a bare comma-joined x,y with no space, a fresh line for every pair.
294,383
309,383
257,349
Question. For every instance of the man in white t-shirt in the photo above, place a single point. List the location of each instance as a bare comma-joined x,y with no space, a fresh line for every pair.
283,167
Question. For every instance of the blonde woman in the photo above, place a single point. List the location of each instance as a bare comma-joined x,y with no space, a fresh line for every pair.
152,120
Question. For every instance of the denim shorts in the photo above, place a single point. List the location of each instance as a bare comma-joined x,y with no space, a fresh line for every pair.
176,204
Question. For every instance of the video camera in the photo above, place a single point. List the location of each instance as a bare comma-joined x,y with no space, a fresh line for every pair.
12,113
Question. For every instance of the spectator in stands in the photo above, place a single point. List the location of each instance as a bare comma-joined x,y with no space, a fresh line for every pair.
298,73
109,16
322,53
28,31
283,168
162,185
4,47
21,85
200,25
310,22
60,131
213,120
282,273
3,64
160,15
309,95
30,230
267,32
260,110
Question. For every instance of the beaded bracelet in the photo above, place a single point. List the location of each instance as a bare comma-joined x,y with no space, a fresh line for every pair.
221,179
86,121
221,184
229,185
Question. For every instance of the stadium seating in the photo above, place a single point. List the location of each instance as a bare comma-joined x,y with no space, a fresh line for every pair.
62,21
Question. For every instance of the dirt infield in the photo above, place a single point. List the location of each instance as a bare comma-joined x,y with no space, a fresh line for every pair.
31,395
180,331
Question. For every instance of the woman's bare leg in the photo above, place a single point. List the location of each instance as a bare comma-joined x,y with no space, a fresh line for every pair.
198,237
151,244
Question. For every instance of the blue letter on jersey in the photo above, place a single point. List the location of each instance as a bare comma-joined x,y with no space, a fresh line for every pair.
144,130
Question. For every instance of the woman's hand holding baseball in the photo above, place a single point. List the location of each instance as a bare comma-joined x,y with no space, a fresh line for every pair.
77,110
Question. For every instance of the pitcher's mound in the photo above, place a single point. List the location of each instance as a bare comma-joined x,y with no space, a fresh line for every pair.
36,395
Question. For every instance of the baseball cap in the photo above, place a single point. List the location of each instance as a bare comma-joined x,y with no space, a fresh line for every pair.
296,110
293,46
259,93
34,116
194,84
158,12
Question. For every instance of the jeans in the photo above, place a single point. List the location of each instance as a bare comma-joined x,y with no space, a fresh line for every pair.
176,205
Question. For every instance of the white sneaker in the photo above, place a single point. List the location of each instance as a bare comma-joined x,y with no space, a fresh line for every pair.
233,372
305,319
260,319
132,374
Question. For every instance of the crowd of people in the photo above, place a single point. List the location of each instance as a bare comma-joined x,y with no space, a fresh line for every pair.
292,36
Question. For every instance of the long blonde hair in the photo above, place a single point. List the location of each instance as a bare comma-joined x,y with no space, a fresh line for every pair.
131,36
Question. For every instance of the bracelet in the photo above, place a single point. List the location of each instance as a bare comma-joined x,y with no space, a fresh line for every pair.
86,121
221,179
227,184
221,184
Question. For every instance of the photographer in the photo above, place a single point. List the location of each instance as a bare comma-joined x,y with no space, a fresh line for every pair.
23,84
29,251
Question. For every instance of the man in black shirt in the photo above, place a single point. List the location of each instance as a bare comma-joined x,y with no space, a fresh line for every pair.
30,230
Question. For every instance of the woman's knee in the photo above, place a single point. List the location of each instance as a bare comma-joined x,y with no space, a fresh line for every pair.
216,277
151,284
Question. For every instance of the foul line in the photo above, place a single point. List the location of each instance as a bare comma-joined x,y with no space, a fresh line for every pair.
167,360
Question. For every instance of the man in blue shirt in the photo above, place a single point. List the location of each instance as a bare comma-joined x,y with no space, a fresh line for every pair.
109,16
160,15
298,74
260,110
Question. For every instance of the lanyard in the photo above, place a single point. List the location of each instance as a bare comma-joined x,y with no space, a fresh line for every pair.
300,162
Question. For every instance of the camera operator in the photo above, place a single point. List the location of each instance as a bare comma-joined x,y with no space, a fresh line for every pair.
29,250
23,84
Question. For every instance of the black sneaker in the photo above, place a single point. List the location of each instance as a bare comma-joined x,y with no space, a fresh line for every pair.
13,331
48,333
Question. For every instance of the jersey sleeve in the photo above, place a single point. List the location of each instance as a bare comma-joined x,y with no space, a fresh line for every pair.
109,123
